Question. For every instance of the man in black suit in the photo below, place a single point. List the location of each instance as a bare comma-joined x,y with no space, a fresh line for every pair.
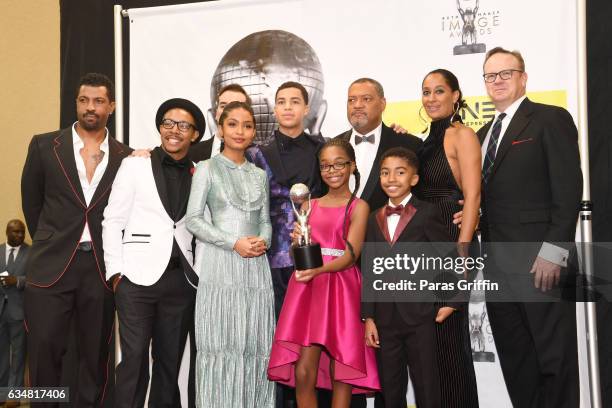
13,255
213,146
65,186
370,137
532,186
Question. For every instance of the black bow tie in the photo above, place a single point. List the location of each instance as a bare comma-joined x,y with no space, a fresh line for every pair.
168,161
394,210
368,138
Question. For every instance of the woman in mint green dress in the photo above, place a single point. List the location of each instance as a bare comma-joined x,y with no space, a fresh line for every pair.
234,315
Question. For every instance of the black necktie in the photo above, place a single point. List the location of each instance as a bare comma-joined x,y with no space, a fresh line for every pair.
368,139
487,166
11,258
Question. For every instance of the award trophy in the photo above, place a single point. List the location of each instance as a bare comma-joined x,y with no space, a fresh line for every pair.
306,254
469,44
477,337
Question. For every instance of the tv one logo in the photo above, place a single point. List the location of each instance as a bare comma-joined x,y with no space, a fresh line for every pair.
477,113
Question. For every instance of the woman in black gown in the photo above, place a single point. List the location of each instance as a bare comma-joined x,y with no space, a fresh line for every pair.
451,171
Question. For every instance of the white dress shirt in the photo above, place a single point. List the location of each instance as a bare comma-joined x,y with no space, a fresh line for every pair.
393,219
550,252
8,251
510,111
88,188
365,154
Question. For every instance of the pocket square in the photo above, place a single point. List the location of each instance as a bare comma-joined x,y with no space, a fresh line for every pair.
522,141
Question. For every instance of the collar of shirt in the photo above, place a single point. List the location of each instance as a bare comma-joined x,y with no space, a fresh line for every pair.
404,203
510,111
8,251
394,219
88,187
78,144
286,142
365,154
168,160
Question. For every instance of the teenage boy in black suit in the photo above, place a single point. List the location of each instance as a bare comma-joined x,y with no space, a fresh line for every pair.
404,332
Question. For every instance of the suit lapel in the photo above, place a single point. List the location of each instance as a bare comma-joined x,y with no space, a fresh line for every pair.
482,132
64,152
185,198
3,257
271,153
21,254
516,126
346,136
115,150
404,220
381,220
160,181
374,177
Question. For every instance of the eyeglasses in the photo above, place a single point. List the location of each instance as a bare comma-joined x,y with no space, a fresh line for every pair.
182,125
505,74
336,166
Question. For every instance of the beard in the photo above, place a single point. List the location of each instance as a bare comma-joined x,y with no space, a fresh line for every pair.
90,125
358,122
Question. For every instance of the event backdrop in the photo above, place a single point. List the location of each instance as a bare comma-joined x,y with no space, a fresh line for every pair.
192,50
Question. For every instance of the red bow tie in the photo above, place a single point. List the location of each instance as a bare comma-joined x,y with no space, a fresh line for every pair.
394,210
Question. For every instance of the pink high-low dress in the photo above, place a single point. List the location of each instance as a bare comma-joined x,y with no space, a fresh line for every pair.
325,312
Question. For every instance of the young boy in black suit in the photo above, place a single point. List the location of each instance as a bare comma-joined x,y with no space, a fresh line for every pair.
404,332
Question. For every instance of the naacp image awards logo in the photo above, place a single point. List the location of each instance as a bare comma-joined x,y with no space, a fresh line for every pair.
470,27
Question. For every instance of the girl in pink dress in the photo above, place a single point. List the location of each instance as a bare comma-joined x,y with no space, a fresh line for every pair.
319,336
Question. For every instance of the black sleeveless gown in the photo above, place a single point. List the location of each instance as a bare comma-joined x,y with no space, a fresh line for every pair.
438,185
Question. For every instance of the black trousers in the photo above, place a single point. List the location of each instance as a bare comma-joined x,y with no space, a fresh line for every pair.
537,348
160,315
405,346
80,293
12,351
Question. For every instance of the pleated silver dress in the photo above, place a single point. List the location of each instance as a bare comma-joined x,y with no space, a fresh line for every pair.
234,316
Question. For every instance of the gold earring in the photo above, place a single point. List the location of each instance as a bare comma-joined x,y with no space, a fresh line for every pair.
425,122
455,110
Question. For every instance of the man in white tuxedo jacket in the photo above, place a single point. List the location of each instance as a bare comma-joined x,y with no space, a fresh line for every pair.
148,254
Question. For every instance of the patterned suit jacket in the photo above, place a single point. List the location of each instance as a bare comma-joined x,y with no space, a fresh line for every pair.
281,213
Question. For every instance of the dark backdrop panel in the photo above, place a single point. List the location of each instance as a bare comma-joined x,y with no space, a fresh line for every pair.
87,38
87,45
599,32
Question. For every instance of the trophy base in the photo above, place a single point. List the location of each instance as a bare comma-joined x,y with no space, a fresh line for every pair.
469,49
483,356
307,256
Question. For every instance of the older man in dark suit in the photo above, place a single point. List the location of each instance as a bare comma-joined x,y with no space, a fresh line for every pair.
370,137
12,281
532,186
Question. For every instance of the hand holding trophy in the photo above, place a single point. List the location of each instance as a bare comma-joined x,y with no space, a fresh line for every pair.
306,254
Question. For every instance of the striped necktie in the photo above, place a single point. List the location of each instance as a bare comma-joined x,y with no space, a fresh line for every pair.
487,166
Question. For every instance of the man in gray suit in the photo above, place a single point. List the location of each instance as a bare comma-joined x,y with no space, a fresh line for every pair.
12,281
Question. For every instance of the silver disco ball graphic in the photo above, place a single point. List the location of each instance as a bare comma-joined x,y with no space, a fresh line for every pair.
260,63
